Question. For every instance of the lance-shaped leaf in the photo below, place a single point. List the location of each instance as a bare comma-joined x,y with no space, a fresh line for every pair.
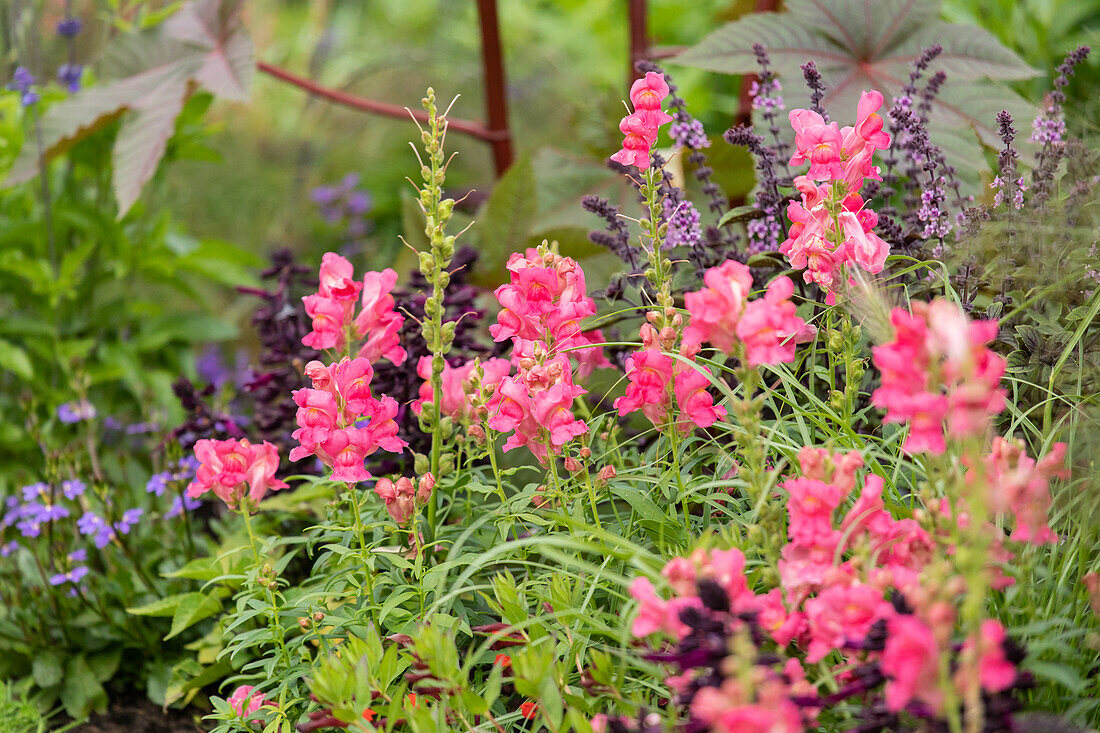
202,45
870,44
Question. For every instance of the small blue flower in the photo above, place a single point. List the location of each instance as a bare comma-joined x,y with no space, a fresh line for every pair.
22,81
68,75
182,504
33,492
69,26
73,488
74,412
130,517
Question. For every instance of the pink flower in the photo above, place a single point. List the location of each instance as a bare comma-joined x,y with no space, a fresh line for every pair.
229,468
655,614
1021,486
867,132
454,401
378,322
341,422
317,417
773,617
328,317
937,368
770,328
817,143
910,662
695,402
536,404
995,672
649,374
716,309
864,247
246,701
641,126
337,278
811,506
399,497
840,614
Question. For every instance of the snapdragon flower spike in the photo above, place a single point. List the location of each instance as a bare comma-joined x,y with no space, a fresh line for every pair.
332,311
829,227
341,422
233,469
655,380
246,701
938,372
640,127
535,405
763,331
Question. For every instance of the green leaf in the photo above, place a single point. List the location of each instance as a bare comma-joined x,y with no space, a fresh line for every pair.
860,45
15,360
46,669
506,219
164,606
80,691
204,44
191,611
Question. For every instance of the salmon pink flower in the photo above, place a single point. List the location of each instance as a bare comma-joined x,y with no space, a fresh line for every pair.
337,279
839,614
995,671
816,142
716,308
454,401
378,323
641,126
246,701
329,317
769,327
232,468
695,402
649,374
399,497
1021,486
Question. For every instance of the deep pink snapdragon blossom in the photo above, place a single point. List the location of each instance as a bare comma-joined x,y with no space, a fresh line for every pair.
909,663
641,126
332,311
767,329
233,469
402,498
938,372
341,422
656,380
830,230
542,307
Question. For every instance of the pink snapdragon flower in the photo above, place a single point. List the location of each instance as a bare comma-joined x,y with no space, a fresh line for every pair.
1020,486
454,401
234,468
910,662
938,369
830,230
341,422
658,615
995,672
402,498
767,329
536,406
332,311
656,379
246,701
842,613
641,126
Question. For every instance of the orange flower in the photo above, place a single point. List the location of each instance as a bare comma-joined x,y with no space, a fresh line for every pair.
528,709
503,660
368,714
411,697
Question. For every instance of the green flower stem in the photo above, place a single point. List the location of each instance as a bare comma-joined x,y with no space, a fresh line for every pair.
368,575
275,624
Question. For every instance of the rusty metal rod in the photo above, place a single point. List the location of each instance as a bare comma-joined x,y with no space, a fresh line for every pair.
466,127
496,101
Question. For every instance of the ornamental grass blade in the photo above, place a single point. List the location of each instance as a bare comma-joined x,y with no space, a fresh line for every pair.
203,45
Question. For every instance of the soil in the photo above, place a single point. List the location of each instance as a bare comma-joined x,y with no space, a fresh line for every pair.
141,716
